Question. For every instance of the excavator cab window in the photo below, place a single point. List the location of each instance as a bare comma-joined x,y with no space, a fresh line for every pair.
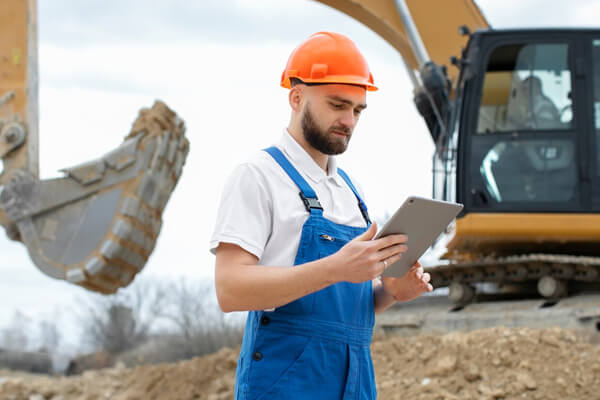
537,170
526,87
523,144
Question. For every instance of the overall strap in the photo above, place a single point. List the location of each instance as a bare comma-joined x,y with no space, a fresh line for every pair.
361,204
307,194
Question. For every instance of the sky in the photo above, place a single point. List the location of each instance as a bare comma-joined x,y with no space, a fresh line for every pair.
217,63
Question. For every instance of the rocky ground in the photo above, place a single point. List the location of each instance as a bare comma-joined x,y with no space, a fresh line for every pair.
496,363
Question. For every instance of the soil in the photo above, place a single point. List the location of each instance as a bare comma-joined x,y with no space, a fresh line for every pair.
495,363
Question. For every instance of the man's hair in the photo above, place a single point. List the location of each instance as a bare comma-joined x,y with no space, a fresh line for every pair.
297,81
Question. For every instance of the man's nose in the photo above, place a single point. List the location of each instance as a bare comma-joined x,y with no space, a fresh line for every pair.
348,119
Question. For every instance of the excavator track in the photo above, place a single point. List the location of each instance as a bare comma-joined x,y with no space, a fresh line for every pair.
436,313
552,272
521,305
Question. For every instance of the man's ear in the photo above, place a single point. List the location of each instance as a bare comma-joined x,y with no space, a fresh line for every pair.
295,97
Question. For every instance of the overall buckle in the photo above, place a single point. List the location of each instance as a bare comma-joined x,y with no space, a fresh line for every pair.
364,212
310,202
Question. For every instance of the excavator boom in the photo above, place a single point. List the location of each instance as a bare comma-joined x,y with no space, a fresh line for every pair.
437,22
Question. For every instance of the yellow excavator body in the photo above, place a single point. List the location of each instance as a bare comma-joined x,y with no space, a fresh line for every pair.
487,233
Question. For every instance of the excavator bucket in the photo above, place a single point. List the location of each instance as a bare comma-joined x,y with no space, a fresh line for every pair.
97,226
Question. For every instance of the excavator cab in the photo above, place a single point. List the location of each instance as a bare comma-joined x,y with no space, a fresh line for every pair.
523,145
524,159
528,124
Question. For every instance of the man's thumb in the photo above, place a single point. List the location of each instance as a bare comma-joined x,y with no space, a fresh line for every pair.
369,233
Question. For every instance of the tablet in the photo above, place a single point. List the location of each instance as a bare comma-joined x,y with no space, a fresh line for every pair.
422,220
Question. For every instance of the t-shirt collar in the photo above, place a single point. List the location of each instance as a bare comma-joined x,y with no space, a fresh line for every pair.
305,162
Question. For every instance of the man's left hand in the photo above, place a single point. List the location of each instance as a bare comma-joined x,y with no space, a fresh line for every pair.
410,286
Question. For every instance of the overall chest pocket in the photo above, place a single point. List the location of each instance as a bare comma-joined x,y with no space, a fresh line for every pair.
329,244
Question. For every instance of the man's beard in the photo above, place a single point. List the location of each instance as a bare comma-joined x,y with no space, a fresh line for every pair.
326,142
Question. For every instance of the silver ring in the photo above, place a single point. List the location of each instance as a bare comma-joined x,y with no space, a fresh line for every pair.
384,263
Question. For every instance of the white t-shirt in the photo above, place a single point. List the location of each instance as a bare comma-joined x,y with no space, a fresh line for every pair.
262,212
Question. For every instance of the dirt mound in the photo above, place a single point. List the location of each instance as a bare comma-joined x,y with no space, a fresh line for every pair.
209,377
497,363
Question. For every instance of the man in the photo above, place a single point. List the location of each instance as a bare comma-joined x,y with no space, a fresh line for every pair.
294,244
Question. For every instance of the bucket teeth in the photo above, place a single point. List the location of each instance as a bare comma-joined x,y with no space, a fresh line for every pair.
87,173
130,207
94,266
75,276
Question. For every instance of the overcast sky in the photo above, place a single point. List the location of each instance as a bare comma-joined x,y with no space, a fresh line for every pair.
217,63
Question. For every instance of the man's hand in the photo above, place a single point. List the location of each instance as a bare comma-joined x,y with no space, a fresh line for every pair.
410,286
364,259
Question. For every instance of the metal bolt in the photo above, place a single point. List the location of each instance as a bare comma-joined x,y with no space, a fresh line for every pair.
12,133
10,136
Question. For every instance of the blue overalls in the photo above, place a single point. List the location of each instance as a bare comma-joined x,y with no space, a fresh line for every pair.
316,347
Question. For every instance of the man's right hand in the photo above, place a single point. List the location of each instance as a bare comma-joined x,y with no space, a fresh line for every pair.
362,259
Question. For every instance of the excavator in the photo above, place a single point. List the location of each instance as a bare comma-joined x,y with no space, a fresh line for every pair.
515,118
514,115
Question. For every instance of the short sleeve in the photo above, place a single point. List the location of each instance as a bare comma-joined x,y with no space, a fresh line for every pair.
245,212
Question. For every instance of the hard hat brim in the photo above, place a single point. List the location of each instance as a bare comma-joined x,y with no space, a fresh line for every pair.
339,79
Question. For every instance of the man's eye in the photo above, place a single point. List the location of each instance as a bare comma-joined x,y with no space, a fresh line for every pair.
337,106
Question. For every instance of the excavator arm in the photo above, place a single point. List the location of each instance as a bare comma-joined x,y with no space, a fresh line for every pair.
97,226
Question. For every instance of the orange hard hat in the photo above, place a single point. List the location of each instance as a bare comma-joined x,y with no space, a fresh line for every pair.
328,57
